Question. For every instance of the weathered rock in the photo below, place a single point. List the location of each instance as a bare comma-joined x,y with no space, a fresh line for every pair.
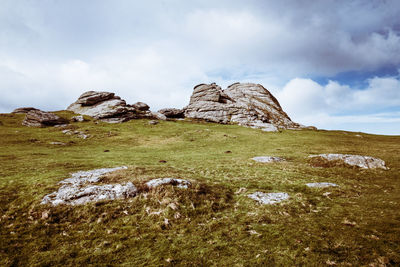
267,159
247,104
109,108
158,116
153,122
58,143
92,97
168,181
78,118
321,185
38,118
173,113
23,110
78,189
364,162
141,106
268,198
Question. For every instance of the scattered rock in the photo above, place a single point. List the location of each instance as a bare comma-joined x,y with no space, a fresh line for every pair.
38,118
23,110
75,191
110,108
173,113
268,198
78,118
168,181
247,104
152,122
58,143
364,162
79,134
267,159
321,185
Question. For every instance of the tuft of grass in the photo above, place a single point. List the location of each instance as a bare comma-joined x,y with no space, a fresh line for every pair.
211,223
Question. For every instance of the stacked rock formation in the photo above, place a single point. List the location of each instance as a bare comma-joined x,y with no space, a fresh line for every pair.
246,104
108,107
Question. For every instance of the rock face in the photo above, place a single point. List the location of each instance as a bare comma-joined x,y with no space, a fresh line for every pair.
38,118
23,110
364,162
110,108
79,189
247,104
173,113
270,198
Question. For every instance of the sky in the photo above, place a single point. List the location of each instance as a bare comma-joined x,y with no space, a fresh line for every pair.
331,64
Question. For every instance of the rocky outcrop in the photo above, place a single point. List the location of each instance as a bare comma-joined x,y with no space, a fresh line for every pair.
110,108
23,110
364,162
270,198
79,189
173,113
247,104
38,118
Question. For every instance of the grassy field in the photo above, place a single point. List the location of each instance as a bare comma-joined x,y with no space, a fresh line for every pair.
213,222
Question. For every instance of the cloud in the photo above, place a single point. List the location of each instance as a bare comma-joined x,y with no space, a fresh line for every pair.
336,106
156,51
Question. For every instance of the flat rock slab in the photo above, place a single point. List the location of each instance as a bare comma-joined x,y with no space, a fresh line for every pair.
321,185
364,162
268,159
269,198
79,189
168,181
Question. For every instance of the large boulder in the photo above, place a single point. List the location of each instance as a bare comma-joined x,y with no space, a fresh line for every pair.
110,108
38,118
247,104
364,162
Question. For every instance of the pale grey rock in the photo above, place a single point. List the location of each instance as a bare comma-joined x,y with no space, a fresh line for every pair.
364,162
168,181
76,195
92,176
58,143
109,108
246,104
79,189
173,113
153,122
158,116
78,118
267,159
269,198
38,118
321,185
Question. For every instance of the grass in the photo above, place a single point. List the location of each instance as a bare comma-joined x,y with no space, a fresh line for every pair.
214,222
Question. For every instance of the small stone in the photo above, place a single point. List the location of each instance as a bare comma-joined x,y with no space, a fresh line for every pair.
162,161
267,159
78,118
106,150
228,152
153,122
268,198
58,143
321,185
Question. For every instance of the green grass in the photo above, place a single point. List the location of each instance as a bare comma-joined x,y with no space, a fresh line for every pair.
213,223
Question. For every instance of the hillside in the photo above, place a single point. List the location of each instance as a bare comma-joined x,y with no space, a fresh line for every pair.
213,222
